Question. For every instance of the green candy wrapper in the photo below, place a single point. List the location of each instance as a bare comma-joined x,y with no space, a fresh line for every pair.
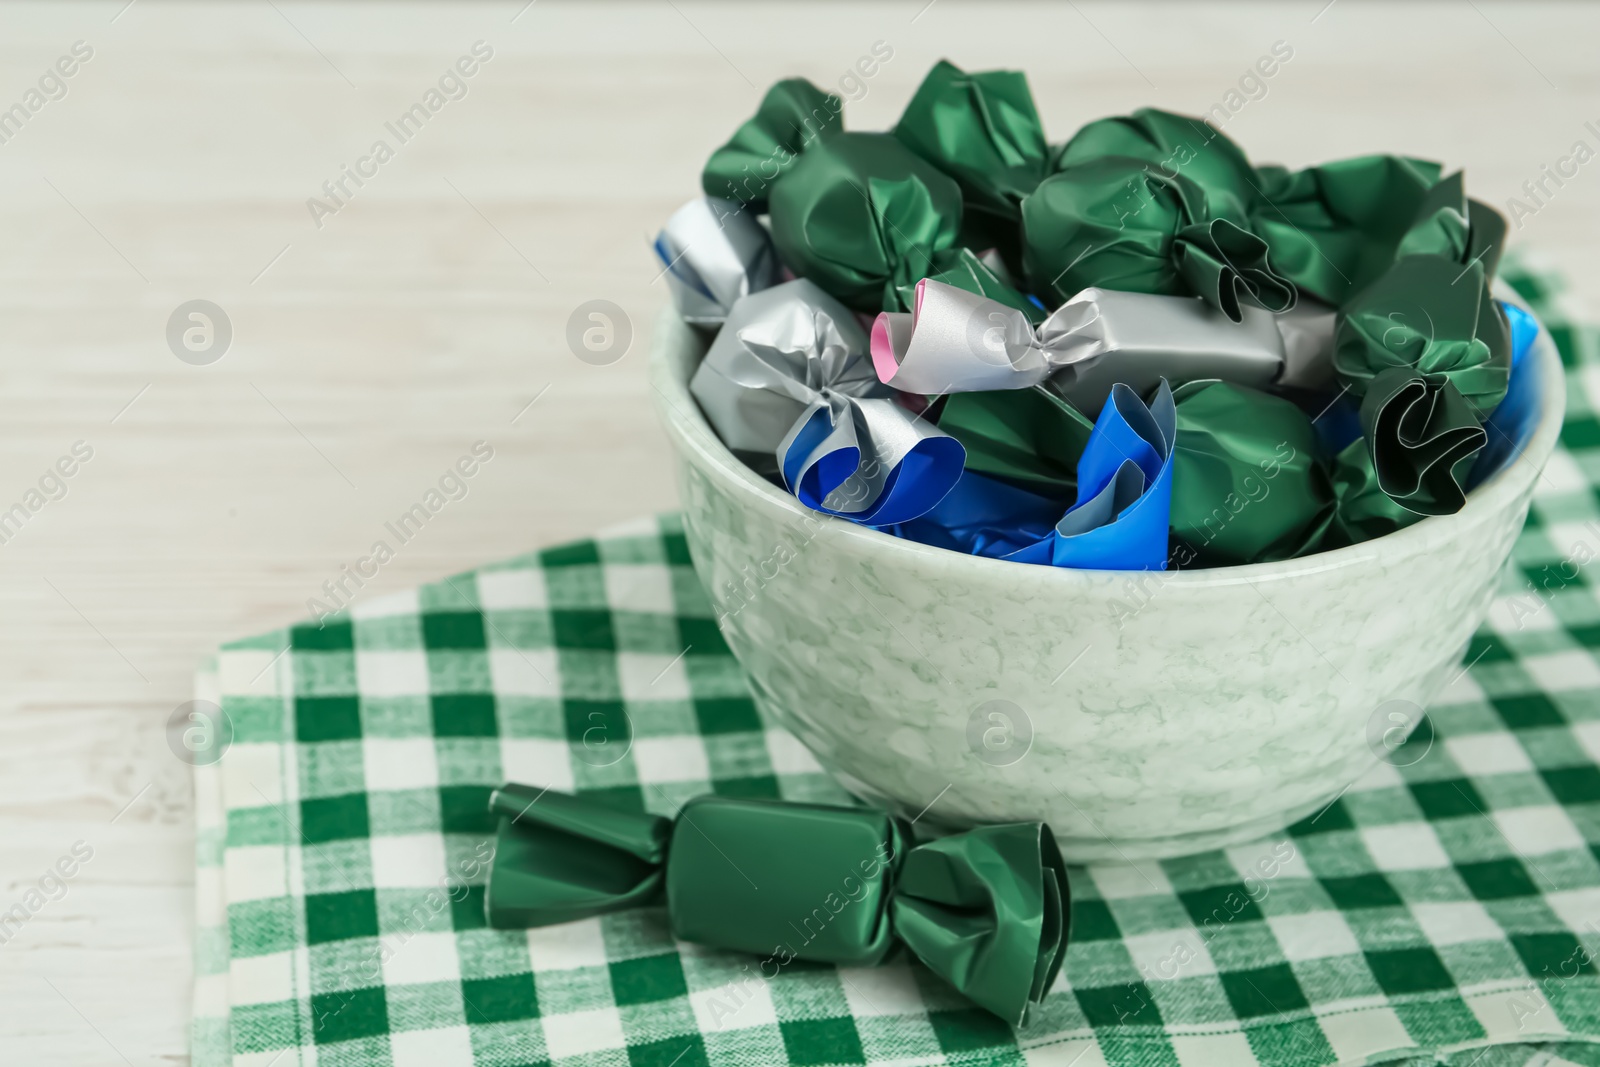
1487,238
1029,438
1422,435
1431,315
1429,352
864,217
1333,229
1171,144
1363,510
1114,223
1441,226
981,129
1450,225
860,215
986,910
792,117
1247,483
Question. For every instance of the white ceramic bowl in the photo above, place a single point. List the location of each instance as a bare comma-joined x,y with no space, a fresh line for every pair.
1169,712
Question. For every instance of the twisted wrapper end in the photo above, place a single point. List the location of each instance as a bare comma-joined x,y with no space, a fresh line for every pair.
983,130
792,116
713,252
559,858
957,341
788,385
1227,266
1421,431
988,912
1124,486
1432,316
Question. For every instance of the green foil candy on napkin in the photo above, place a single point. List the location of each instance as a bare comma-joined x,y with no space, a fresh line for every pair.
1333,228
1112,222
981,129
861,215
1247,483
986,910
792,116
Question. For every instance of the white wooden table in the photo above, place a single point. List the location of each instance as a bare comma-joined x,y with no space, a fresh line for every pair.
429,310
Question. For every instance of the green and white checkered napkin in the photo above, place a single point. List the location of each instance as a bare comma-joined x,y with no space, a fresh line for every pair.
1433,909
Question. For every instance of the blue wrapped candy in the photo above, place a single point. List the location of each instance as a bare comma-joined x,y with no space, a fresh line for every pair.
1119,521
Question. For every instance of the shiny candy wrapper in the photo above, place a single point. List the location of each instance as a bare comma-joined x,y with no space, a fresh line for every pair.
1429,352
1116,223
1422,434
1171,144
860,214
1122,513
1433,315
957,342
1418,437
983,130
986,910
788,386
980,275
713,252
1333,228
793,116
1308,331
1030,438
1248,485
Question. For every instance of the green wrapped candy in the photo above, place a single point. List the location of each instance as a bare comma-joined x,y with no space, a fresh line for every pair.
792,116
1464,232
866,219
1433,316
964,270
1031,438
1488,236
1429,351
1441,226
1363,510
1452,226
1247,483
1112,223
986,910
1421,434
981,129
1333,228
1172,144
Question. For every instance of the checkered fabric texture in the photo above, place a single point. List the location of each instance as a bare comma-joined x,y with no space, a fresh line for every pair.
1442,911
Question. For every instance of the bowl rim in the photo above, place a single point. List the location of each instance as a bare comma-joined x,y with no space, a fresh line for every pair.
669,369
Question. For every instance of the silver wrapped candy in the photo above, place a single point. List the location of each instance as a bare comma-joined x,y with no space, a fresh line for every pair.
713,252
788,386
957,341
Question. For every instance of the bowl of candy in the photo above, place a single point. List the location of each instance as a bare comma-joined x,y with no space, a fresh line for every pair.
1122,484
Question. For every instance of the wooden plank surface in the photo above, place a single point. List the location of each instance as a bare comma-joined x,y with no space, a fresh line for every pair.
373,345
